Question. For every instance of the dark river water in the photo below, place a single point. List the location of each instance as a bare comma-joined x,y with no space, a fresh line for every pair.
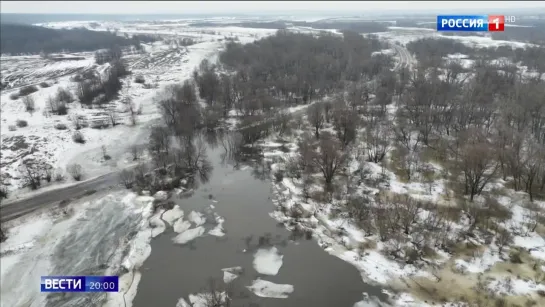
243,196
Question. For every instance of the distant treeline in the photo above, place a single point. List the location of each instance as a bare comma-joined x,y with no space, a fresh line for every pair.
26,39
534,33
432,50
356,26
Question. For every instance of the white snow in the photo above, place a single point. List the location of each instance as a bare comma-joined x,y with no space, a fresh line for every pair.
267,261
479,264
265,288
514,286
534,243
24,235
189,235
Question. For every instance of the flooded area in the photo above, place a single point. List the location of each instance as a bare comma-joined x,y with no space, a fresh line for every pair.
225,223
241,194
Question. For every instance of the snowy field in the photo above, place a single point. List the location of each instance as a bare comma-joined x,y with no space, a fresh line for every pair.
404,35
161,64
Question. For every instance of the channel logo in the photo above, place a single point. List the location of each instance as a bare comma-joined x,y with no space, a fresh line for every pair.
473,23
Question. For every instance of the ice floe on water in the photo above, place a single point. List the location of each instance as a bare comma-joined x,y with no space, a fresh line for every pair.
202,299
173,214
180,225
267,261
265,288
375,302
230,274
218,230
157,224
196,217
189,235
182,303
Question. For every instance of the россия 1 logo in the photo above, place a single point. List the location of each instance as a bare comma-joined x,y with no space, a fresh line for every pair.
472,23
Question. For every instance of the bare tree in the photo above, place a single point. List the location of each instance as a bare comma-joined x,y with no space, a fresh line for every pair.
478,165
503,238
180,109
112,115
409,141
408,210
281,123
315,115
31,174
377,140
345,122
159,145
532,167
329,159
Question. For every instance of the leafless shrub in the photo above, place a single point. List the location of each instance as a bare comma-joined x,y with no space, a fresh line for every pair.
78,137
48,174
24,91
139,79
127,178
503,238
14,96
136,151
29,104
59,175
76,171
105,154
63,95
77,121
3,232
60,126
279,176
21,123
32,174
112,115
57,106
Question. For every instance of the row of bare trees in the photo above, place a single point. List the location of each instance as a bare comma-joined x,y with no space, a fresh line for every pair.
285,69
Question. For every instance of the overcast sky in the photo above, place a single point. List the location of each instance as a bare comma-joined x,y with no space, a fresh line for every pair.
219,7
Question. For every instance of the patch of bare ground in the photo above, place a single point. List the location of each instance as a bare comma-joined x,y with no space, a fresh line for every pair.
450,286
